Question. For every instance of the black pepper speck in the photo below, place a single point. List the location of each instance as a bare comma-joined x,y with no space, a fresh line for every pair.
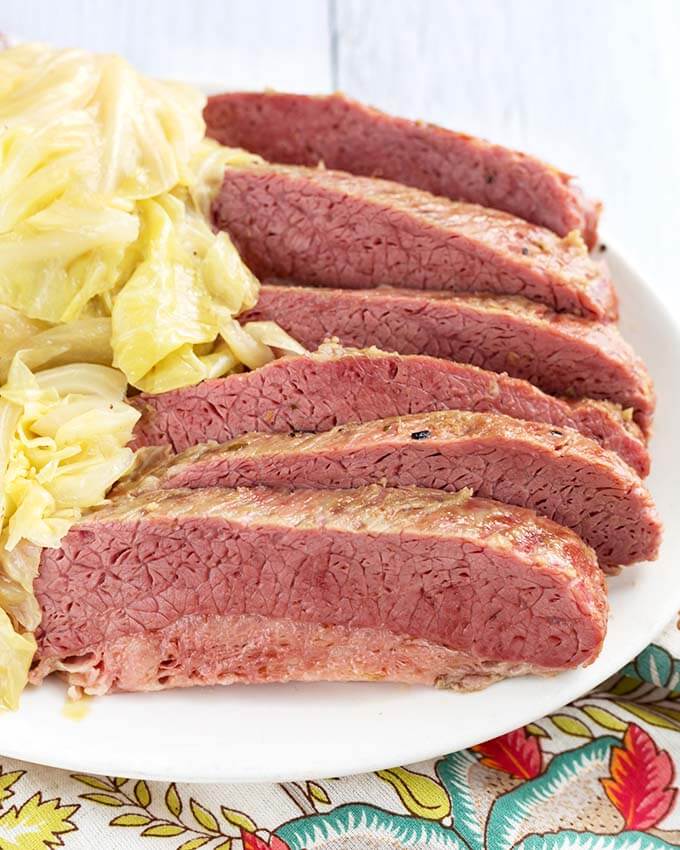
420,435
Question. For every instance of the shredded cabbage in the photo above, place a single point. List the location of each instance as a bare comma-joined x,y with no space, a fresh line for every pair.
85,340
63,443
67,446
16,653
106,181
110,275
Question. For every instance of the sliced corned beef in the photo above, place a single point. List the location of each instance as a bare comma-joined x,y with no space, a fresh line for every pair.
557,473
347,135
337,229
561,354
334,386
253,585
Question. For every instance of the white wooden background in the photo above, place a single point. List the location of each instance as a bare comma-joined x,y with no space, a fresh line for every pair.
591,85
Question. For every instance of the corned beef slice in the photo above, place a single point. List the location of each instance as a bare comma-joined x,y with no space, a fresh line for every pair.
343,134
209,586
557,473
561,354
333,228
335,386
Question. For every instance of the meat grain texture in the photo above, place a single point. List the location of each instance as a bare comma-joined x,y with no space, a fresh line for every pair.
350,136
335,386
558,473
333,228
331,534
562,354
252,585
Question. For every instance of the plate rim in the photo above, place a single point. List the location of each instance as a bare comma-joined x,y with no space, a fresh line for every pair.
405,751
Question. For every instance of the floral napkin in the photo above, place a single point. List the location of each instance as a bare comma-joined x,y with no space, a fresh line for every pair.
598,774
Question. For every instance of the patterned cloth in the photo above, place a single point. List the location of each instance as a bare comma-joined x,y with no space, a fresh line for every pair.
598,774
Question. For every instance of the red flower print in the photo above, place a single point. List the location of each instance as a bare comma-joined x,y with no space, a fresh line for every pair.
516,753
252,841
640,785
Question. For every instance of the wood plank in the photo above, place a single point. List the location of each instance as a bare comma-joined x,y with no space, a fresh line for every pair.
253,44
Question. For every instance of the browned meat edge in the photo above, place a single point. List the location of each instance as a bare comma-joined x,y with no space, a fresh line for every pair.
207,586
559,474
335,386
561,354
329,227
347,135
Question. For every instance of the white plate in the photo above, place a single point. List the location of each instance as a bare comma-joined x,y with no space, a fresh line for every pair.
277,732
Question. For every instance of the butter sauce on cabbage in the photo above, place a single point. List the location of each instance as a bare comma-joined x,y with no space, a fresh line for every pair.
110,275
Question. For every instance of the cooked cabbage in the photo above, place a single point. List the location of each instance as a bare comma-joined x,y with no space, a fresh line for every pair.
109,274
16,653
116,132
63,443
67,448
106,181
85,340
271,334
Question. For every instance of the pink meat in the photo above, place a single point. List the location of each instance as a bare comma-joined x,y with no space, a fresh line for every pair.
336,386
336,229
561,354
445,589
347,135
559,474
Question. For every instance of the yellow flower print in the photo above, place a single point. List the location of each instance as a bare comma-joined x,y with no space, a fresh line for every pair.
36,825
